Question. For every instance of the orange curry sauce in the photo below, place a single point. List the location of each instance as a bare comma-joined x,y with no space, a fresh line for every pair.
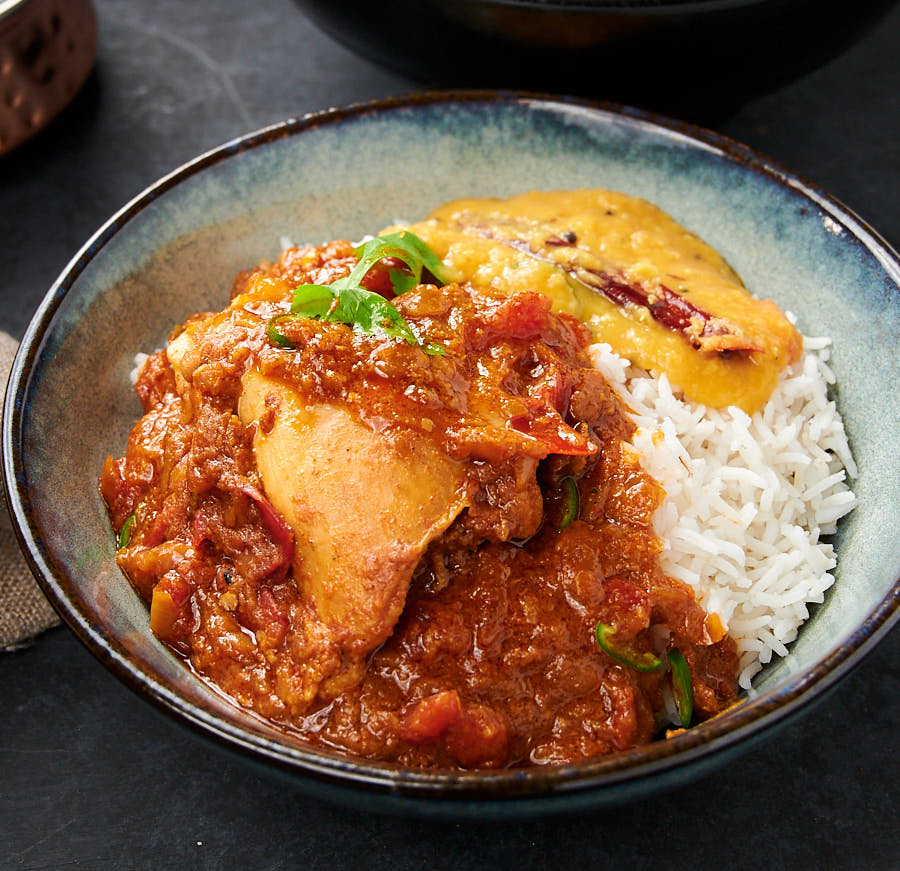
460,634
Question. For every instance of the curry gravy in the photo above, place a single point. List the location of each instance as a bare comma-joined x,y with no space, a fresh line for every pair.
530,241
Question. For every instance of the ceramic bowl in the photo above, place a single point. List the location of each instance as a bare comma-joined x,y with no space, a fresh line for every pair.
175,249
695,57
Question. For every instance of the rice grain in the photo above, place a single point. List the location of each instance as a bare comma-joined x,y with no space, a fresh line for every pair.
748,498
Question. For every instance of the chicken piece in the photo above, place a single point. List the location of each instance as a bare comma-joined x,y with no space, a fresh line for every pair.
363,507
353,455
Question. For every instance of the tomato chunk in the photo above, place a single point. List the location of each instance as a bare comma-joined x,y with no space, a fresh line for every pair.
431,717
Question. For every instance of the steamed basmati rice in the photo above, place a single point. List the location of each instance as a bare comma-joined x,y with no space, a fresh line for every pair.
748,499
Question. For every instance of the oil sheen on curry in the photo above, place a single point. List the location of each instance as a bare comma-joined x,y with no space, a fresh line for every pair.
383,500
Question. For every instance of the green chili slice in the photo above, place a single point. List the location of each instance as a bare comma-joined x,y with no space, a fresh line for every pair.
276,337
632,658
682,687
570,502
125,531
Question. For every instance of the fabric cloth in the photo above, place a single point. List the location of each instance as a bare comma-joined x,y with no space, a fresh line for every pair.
24,612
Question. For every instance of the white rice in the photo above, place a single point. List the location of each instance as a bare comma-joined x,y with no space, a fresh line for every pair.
748,499
139,359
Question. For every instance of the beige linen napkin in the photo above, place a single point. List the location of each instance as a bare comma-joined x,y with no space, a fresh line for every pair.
24,612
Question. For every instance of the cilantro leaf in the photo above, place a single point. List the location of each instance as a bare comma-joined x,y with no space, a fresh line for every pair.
344,301
404,246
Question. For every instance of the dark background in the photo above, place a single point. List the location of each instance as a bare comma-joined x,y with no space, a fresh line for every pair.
91,777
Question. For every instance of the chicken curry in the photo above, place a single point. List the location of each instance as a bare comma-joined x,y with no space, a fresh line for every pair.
386,502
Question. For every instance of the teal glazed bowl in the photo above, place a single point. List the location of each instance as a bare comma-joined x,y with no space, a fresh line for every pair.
343,173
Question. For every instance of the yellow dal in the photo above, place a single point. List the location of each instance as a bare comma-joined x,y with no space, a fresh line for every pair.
632,238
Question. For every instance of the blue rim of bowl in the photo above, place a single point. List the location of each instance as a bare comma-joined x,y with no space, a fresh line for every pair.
752,718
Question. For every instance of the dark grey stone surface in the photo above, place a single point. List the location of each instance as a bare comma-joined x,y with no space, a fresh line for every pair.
91,777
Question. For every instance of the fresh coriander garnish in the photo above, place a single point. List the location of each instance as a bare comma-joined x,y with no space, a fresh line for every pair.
404,246
345,301
365,311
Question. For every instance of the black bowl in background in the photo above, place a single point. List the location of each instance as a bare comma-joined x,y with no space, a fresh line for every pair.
697,58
